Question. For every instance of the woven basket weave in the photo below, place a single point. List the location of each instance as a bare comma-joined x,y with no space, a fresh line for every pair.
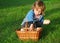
26,35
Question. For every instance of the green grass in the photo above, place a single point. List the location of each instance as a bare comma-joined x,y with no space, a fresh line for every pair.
12,13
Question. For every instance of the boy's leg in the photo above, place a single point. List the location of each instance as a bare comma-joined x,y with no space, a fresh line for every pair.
38,24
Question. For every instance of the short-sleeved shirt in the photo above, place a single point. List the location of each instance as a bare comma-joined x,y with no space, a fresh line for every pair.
31,17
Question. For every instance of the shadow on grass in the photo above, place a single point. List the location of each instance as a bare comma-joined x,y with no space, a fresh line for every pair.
55,10
52,26
14,3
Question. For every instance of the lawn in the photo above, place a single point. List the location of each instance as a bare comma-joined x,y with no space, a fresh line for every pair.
12,13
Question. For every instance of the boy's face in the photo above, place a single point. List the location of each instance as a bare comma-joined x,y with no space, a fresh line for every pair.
37,11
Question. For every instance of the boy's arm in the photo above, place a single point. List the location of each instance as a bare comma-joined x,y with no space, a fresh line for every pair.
46,21
29,17
41,19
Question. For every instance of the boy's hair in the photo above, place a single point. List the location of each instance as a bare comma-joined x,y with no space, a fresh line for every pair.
39,4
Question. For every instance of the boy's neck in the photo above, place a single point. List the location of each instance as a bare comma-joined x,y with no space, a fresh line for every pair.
37,16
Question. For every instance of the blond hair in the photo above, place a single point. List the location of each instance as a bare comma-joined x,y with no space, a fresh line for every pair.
39,4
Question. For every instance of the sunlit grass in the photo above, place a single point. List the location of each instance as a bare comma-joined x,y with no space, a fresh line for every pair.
11,16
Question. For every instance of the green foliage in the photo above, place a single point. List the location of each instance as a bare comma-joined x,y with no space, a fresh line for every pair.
12,13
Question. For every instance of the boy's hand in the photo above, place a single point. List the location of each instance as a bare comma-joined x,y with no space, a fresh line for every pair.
31,27
46,21
39,28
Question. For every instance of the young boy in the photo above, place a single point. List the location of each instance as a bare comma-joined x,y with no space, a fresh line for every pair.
35,15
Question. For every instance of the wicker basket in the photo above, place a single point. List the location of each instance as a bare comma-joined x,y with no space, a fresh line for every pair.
26,35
